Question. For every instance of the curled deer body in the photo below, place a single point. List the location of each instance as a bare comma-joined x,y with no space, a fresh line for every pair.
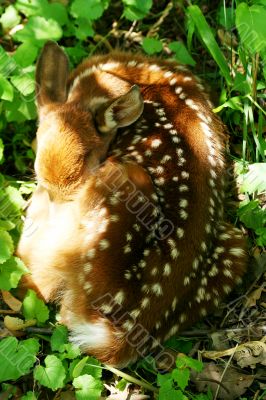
128,216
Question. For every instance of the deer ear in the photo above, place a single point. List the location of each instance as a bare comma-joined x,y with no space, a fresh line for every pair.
122,111
51,75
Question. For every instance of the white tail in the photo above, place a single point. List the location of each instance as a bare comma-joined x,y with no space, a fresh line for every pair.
130,235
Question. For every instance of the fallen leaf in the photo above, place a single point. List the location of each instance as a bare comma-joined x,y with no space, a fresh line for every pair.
234,384
11,301
247,354
253,297
16,324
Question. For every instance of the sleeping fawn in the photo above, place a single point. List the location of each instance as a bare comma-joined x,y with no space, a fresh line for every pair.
126,228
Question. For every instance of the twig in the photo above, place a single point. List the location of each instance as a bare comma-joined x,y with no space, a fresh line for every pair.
224,371
154,28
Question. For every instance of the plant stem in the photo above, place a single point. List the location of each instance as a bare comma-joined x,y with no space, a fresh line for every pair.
131,379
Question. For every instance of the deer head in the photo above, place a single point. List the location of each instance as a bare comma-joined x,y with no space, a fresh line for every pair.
72,139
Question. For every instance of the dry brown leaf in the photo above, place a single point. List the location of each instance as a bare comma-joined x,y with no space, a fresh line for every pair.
251,353
253,297
234,383
16,324
11,301
247,354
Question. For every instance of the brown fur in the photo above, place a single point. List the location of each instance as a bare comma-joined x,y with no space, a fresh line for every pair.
97,238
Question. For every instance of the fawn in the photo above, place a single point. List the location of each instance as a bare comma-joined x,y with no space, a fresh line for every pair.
126,228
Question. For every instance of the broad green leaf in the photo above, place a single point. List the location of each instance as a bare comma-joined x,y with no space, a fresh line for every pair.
181,377
207,37
33,307
59,338
250,23
87,388
181,53
25,54
24,83
226,17
71,351
89,366
136,9
261,240
31,7
255,179
1,154
83,28
168,392
17,358
151,45
21,109
11,272
6,225
29,396
7,64
234,102
6,246
185,361
38,30
252,215
52,375
11,203
9,18
6,89
58,12
90,9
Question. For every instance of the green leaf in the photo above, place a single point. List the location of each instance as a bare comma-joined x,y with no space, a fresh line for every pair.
70,351
207,37
89,366
58,12
52,375
87,388
33,307
11,272
261,240
25,54
254,180
185,361
6,246
181,53
31,7
181,377
11,203
90,9
83,28
17,358
59,338
136,9
24,83
168,392
29,396
6,225
7,65
38,30
6,89
226,17
151,45
252,215
9,18
1,152
250,23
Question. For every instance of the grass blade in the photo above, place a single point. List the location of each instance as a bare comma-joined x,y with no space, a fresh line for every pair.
207,37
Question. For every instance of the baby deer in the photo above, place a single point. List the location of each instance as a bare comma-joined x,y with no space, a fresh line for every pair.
126,228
